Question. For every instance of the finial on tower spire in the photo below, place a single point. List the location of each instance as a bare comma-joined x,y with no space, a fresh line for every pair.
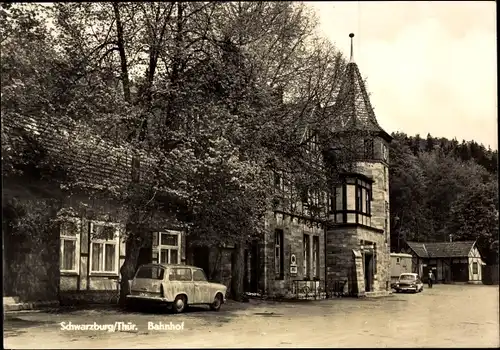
352,53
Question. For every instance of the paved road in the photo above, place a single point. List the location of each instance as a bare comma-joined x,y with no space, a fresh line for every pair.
445,316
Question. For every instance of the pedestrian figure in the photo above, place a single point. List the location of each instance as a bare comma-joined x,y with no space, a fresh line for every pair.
430,279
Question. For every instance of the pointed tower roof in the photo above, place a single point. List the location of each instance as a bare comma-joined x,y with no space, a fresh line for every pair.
352,110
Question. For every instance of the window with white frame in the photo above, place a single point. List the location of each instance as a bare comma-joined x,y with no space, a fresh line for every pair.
104,247
70,245
169,247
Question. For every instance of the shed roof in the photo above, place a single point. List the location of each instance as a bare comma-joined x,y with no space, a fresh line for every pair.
457,249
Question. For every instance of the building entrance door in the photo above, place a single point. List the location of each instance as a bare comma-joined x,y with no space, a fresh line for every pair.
368,271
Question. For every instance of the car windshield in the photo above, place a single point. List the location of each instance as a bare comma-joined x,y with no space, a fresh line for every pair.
151,272
407,277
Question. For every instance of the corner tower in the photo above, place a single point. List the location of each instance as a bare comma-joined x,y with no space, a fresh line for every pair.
358,237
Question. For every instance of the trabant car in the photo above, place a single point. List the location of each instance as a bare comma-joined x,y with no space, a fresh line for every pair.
177,286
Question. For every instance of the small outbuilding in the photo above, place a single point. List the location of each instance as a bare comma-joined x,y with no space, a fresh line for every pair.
449,261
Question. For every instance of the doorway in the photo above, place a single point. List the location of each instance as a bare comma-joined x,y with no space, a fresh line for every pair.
368,269
254,267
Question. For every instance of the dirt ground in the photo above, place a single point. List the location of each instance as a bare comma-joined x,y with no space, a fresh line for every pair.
444,316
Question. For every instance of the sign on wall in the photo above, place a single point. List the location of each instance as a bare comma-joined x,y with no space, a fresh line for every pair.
293,264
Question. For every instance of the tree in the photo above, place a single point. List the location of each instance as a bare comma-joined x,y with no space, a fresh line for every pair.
407,194
429,146
474,215
203,93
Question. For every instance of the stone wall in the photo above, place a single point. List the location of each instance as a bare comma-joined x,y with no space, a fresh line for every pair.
380,193
294,229
341,247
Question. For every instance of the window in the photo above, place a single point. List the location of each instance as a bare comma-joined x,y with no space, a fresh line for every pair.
199,276
69,259
151,272
359,202
363,198
315,198
369,148
337,203
278,254
316,256
169,247
397,261
181,274
368,202
104,247
306,256
475,268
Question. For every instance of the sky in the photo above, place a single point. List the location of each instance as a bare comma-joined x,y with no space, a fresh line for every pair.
431,66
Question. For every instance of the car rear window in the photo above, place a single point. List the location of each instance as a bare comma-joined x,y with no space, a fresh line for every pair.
180,274
151,272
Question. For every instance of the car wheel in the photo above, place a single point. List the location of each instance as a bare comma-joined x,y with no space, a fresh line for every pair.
215,306
179,304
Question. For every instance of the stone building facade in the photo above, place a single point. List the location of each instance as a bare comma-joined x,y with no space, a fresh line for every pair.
352,246
358,237
299,251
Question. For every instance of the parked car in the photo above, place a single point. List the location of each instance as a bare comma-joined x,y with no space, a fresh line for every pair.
409,282
176,286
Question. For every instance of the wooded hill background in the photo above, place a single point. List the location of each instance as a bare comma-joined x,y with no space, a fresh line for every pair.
442,187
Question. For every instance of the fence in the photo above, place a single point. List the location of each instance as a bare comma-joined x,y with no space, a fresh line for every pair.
313,290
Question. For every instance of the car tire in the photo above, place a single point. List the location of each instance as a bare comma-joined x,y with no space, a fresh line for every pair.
215,306
179,304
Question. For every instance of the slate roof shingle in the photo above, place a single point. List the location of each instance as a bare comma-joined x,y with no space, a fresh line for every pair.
353,109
